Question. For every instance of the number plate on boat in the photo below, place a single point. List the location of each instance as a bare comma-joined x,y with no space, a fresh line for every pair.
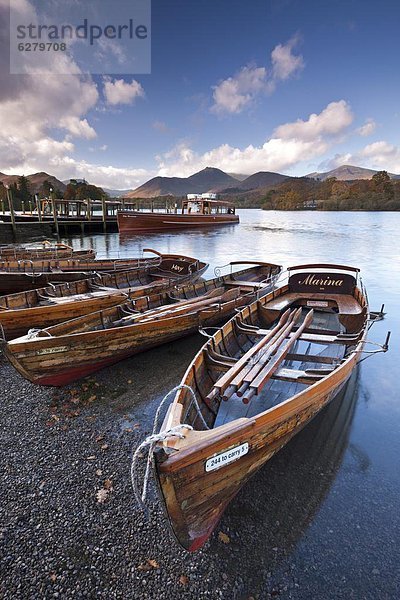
318,303
224,458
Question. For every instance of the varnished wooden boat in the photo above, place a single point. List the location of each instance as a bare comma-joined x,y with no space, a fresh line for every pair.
60,354
44,250
70,264
257,382
56,303
197,211
22,275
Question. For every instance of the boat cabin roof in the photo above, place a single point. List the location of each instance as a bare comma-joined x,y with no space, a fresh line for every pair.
209,201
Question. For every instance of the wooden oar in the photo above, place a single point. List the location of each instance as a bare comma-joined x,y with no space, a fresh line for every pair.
269,369
177,309
273,347
222,383
167,307
246,376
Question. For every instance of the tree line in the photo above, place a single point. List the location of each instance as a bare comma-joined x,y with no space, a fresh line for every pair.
22,195
378,193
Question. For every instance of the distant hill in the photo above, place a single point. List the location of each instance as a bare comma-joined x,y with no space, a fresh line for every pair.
36,181
207,180
260,180
117,193
347,173
238,176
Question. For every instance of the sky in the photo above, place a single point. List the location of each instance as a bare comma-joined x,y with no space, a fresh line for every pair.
291,86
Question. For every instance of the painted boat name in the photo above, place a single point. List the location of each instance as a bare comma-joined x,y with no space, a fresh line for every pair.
224,458
312,280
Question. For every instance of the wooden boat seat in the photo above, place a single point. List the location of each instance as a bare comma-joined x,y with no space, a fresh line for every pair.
79,297
346,304
347,340
247,284
316,338
308,376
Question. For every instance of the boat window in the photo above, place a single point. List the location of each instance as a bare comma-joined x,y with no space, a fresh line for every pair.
193,207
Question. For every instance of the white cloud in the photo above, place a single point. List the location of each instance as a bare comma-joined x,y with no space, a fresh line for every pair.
368,128
233,95
289,145
379,150
78,127
41,115
284,62
331,121
121,92
379,155
102,175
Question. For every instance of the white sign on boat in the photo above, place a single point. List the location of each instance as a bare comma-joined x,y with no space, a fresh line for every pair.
224,458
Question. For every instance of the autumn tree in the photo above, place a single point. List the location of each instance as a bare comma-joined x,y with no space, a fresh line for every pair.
24,189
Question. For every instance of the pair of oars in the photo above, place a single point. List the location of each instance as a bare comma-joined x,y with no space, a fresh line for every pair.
259,363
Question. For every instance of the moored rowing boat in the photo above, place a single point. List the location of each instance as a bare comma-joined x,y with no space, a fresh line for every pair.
44,250
252,387
56,303
58,355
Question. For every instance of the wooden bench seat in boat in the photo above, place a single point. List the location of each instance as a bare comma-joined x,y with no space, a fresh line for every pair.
315,338
79,297
247,284
307,376
346,304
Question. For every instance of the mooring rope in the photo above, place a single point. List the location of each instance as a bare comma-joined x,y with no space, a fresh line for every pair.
152,440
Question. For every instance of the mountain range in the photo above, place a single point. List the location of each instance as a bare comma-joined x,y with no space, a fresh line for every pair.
206,180
215,180
348,173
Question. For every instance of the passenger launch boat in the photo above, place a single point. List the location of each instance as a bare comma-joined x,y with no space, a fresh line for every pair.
197,211
56,303
255,383
61,354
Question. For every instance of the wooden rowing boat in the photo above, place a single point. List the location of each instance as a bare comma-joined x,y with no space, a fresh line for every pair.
257,382
56,303
44,250
61,354
23,275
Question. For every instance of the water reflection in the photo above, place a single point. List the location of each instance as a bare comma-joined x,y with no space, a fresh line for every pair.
272,512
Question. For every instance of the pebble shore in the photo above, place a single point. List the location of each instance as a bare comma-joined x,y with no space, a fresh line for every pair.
69,526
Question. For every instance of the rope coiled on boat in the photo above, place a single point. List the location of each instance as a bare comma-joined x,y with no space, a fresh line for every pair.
152,440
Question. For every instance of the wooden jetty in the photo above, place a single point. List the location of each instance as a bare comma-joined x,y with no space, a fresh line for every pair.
67,216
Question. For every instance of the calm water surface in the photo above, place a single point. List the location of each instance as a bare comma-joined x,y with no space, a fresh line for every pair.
324,514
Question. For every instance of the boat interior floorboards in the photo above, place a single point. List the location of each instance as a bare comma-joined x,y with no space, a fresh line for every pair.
277,391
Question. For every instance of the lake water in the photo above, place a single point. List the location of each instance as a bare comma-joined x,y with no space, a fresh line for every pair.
322,519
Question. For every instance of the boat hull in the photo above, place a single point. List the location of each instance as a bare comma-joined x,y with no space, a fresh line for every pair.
61,360
12,283
139,222
195,499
